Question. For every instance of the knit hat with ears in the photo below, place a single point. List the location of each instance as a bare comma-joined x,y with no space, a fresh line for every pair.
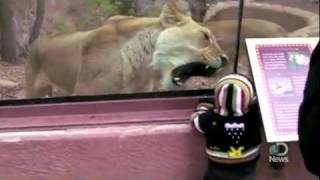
233,95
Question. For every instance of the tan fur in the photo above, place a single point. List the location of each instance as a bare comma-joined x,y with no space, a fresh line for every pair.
125,55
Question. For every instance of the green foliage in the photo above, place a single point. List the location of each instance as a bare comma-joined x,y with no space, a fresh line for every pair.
61,28
93,13
101,6
97,11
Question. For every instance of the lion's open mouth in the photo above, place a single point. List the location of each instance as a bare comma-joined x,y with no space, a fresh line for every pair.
182,73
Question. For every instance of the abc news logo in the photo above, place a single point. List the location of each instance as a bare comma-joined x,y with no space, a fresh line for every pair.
279,153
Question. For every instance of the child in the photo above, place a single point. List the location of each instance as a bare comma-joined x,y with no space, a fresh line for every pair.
232,128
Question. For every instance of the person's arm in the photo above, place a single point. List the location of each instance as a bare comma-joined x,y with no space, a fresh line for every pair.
255,122
202,116
312,86
255,108
309,113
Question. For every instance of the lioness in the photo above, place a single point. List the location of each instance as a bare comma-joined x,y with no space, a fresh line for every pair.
125,55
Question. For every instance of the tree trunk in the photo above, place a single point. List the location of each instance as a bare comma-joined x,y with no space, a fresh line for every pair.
38,21
8,37
198,9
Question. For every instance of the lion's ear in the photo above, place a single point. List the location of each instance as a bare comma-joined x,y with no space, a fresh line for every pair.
171,16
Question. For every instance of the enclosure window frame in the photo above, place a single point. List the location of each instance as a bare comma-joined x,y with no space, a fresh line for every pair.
105,110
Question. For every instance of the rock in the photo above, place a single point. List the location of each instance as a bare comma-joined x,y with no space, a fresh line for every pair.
21,95
7,84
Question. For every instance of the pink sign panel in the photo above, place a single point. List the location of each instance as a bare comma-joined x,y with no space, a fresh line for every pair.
279,68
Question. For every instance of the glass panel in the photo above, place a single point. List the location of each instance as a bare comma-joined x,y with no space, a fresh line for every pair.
52,48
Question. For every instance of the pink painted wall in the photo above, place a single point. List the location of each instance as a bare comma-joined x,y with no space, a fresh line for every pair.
153,140
149,152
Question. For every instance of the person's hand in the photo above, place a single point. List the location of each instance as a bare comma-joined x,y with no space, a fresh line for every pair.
196,114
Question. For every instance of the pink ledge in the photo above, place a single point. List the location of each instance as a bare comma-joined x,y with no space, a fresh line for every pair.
143,139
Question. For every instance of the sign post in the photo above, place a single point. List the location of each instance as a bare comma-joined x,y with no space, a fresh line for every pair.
279,67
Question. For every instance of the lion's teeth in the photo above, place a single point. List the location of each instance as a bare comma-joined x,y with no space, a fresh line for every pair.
207,66
179,83
177,79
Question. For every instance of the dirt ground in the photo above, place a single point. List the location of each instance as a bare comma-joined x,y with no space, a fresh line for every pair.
11,81
12,77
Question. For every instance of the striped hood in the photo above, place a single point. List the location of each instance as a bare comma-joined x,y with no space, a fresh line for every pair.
234,94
